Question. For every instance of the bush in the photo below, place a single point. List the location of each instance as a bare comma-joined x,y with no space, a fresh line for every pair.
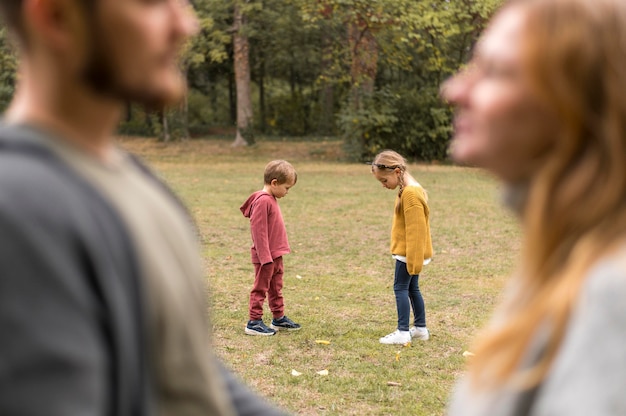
288,114
136,123
414,123
424,129
368,129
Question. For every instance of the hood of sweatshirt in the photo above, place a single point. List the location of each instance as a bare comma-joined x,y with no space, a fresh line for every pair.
246,208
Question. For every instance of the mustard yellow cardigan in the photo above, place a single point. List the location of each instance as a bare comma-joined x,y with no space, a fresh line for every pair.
410,229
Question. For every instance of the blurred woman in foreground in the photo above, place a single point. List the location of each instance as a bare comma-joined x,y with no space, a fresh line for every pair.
542,105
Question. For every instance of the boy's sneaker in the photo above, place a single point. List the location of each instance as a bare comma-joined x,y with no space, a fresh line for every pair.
397,337
419,332
258,328
284,323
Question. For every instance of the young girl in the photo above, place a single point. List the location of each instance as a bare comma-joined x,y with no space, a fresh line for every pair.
411,245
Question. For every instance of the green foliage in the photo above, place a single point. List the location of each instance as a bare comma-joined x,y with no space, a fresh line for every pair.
302,74
8,66
414,123
367,129
420,44
137,123
425,127
174,119
206,111
287,115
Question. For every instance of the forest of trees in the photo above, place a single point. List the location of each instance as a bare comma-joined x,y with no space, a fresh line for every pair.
367,71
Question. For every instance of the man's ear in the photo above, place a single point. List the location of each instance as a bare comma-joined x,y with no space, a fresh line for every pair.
58,23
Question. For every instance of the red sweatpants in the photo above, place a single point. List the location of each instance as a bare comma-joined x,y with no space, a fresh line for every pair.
268,279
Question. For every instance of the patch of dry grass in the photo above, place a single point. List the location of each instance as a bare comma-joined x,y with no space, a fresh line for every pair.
338,220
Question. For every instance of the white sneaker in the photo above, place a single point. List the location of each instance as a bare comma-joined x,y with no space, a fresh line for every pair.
419,333
397,337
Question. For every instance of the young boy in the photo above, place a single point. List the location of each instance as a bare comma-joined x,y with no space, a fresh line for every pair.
269,244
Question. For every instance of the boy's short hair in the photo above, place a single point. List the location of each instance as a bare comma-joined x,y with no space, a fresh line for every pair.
281,170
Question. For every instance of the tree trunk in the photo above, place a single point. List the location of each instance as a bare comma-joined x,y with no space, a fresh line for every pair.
327,92
364,65
185,116
261,80
242,80
147,118
184,109
326,122
232,99
129,112
165,128
327,110
212,91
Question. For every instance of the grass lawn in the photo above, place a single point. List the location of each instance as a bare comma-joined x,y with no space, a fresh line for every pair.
339,276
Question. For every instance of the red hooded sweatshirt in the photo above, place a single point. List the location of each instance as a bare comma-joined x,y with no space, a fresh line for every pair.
269,236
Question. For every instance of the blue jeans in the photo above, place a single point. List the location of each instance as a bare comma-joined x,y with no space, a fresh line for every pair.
407,290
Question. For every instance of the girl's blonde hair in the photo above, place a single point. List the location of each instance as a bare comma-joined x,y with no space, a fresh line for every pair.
575,54
387,161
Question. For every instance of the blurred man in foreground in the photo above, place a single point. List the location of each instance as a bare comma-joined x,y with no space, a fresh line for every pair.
102,310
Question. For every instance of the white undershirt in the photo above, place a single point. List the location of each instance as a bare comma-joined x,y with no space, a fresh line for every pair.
403,259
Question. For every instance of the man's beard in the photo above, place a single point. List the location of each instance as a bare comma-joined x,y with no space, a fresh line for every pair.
102,77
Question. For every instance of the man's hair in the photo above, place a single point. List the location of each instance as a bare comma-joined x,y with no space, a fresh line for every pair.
281,170
11,17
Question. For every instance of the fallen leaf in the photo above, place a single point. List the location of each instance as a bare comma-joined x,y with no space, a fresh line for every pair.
317,298
468,354
298,276
295,373
394,384
322,372
322,341
408,344
398,356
